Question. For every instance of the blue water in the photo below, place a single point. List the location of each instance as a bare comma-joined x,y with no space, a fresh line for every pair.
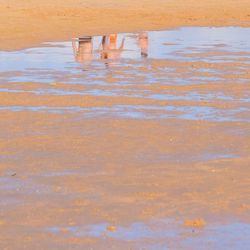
181,65
167,234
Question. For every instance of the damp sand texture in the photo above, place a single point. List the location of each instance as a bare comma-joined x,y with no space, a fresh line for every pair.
145,150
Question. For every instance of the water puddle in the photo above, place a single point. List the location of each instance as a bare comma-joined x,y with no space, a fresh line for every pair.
196,73
166,234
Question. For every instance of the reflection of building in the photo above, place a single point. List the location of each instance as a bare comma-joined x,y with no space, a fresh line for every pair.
143,43
83,51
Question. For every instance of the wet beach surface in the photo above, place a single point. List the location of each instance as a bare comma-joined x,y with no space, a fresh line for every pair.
119,145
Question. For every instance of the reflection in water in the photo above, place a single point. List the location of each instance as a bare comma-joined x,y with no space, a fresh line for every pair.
143,43
178,80
83,52
108,48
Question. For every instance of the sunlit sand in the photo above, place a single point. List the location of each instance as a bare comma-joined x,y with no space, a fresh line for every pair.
114,139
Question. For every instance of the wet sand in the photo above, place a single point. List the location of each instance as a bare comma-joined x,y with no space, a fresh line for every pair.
157,158
122,172
28,23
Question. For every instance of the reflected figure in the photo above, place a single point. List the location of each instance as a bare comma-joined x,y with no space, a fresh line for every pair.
143,43
83,49
108,47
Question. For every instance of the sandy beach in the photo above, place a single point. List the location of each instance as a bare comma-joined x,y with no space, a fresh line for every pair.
148,149
29,22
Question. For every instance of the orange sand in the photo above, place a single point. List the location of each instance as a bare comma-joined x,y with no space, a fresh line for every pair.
25,23
119,172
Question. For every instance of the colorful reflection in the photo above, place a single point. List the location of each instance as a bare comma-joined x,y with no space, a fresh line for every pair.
109,48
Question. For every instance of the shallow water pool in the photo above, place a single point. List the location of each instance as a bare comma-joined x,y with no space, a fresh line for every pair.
192,73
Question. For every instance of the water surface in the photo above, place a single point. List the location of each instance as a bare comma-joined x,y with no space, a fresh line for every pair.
189,73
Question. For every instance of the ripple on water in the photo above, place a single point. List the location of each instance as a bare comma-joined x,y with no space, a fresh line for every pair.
203,65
